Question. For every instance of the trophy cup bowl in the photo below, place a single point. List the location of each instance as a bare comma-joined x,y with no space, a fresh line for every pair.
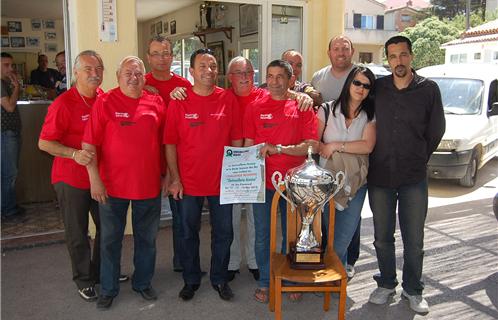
308,188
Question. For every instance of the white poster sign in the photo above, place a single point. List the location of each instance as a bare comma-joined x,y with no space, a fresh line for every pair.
242,176
108,21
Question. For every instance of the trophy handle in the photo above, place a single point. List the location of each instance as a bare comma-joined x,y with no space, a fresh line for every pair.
339,186
277,181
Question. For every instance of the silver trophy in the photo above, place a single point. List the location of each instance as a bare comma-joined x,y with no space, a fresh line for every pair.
308,188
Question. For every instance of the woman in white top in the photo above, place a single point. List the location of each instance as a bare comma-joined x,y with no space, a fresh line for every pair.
350,128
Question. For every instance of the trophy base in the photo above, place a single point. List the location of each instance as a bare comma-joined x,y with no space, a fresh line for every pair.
312,260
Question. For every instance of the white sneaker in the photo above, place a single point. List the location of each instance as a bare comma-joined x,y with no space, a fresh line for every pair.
381,295
417,302
350,271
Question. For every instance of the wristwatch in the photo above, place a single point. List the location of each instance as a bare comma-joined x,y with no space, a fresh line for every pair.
279,148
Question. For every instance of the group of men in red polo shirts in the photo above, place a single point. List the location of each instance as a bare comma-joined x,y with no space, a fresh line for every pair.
119,136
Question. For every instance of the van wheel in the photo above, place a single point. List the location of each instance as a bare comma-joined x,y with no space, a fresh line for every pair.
470,177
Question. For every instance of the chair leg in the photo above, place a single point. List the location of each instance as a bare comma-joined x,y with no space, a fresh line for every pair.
326,300
271,293
278,299
342,300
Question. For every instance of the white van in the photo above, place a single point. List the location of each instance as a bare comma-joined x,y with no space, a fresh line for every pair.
470,100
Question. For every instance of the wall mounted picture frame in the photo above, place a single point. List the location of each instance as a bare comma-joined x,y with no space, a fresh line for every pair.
50,35
172,27
165,26
14,26
159,27
248,19
5,42
36,24
32,41
219,54
49,24
17,42
152,29
50,47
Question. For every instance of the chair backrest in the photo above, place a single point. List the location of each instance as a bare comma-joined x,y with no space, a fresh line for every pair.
294,224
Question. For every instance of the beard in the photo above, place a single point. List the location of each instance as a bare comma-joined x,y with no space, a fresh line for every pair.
400,71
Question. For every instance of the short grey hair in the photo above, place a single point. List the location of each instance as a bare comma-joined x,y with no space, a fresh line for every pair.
88,53
239,59
130,58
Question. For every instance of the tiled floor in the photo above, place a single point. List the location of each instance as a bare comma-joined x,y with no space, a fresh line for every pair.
39,218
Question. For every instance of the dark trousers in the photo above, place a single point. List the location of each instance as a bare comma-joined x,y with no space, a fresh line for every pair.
177,233
74,204
220,218
145,215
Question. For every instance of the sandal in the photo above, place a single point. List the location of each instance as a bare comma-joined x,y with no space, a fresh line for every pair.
261,295
295,296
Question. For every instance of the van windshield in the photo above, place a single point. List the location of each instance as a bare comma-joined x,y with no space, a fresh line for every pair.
461,96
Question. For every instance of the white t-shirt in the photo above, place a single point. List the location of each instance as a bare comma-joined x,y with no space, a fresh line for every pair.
329,86
336,129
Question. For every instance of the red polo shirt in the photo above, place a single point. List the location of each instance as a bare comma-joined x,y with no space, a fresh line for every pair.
200,126
65,122
166,86
128,133
279,122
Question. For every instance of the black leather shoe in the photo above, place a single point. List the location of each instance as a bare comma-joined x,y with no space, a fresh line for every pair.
231,274
224,291
188,291
255,273
147,293
104,302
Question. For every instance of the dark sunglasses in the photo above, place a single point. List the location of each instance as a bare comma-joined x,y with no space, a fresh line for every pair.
361,84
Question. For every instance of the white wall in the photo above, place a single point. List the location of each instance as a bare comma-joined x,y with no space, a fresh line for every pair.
488,51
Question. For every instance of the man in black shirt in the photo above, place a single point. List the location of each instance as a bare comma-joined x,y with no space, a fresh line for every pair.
410,125
11,135
44,76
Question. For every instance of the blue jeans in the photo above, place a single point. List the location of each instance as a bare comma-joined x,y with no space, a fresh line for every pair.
346,222
10,159
412,201
354,246
262,220
220,218
177,233
145,221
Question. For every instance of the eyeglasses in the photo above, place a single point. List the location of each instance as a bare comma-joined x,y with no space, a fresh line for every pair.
361,84
242,73
164,54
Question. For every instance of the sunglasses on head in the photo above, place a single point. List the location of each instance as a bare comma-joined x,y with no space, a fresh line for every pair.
361,84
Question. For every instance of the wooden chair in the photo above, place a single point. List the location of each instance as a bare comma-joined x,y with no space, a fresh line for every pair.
332,278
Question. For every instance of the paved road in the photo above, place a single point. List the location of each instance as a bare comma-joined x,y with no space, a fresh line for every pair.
461,274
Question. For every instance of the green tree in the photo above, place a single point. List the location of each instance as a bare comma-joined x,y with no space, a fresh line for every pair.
451,8
427,36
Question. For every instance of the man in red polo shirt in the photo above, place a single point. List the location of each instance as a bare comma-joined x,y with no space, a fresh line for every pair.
126,124
162,81
61,136
276,121
198,128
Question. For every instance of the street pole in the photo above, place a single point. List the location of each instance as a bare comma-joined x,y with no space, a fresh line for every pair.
467,16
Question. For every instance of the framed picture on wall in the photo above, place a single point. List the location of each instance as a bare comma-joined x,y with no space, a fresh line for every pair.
50,35
152,29
36,24
172,27
159,27
14,26
32,41
248,19
5,42
49,24
219,54
165,26
51,47
17,42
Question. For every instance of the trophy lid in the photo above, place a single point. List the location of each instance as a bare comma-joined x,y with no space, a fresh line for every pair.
309,174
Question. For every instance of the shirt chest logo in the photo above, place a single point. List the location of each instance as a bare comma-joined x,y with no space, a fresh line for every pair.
266,116
191,116
85,117
121,114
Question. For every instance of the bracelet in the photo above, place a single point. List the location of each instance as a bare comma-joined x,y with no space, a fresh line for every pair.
73,155
343,147
279,148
